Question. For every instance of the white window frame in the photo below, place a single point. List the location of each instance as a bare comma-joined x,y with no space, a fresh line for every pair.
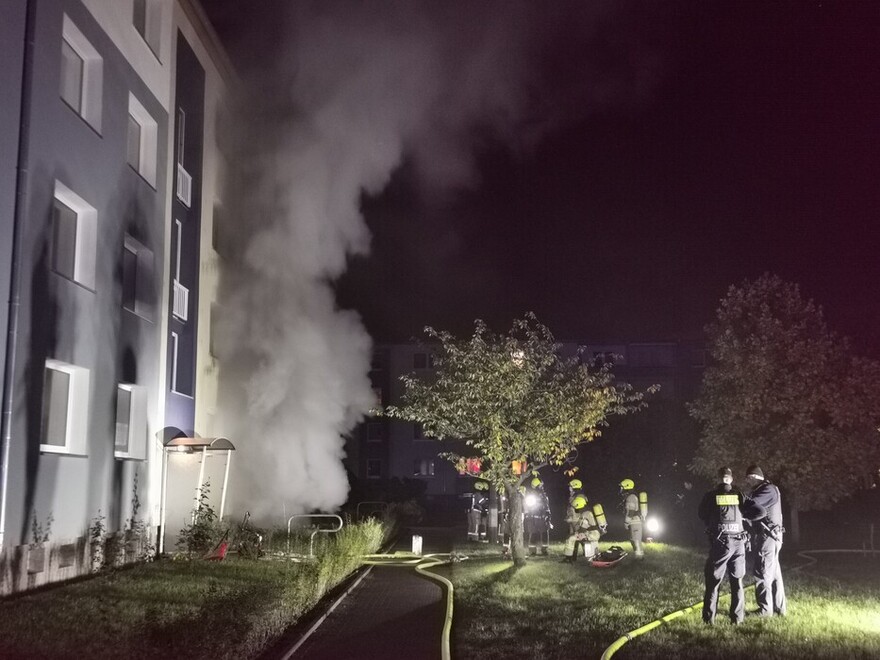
175,345
426,468
77,422
148,140
143,278
86,235
152,34
137,423
92,74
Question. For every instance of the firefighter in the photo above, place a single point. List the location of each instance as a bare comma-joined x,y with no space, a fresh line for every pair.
477,511
722,511
537,517
766,543
575,488
586,530
635,511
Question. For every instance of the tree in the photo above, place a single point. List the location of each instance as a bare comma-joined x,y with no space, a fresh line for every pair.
514,400
786,393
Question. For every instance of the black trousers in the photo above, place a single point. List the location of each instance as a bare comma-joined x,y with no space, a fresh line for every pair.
727,554
769,589
537,531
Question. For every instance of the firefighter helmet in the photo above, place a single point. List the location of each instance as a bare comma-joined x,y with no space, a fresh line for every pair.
579,502
575,484
627,484
536,481
481,485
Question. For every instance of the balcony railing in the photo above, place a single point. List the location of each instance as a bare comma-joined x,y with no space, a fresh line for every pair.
184,186
181,301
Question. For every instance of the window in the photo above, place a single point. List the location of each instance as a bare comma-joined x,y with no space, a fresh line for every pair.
377,396
652,355
65,408
375,431
147,20
423,361
179,293
137,278
374,468
142,140
74,229
131,422
423,467
181,134
175,345
82,71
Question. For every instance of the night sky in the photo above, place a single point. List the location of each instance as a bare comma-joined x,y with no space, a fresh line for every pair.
728,139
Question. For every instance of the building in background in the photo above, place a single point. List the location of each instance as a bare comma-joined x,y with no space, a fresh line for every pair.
107,189
391,458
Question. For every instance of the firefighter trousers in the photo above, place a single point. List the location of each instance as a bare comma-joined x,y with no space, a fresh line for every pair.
727,555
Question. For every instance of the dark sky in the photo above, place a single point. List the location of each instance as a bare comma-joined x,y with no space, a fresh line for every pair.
756,149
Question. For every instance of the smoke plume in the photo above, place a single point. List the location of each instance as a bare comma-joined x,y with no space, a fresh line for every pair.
346,92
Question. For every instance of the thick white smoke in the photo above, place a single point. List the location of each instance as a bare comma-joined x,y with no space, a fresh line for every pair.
354,89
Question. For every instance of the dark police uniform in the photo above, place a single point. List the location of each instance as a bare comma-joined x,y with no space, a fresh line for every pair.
722,511
766,544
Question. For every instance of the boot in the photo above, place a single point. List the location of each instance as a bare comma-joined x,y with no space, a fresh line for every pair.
568,560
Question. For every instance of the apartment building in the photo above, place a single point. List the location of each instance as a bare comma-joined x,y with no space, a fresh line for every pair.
107,188
381,449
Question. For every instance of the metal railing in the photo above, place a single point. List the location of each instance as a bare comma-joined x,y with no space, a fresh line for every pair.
317,531
181,301
184,186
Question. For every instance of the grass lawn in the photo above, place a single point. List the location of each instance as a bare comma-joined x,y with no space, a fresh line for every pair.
552,610
179,609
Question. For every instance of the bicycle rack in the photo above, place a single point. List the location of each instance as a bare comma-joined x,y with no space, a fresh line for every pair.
357,511
317,531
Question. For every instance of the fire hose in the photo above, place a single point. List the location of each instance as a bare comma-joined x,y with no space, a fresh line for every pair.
617,644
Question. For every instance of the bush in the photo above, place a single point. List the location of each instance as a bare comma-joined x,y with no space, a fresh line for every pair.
201,535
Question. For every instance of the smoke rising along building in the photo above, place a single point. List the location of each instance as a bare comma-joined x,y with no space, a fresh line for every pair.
106,193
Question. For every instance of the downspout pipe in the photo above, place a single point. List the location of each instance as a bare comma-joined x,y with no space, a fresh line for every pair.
18,222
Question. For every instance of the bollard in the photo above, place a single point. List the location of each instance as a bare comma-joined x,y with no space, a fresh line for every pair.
417,544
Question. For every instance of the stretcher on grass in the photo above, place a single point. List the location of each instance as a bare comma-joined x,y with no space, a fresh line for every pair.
609,558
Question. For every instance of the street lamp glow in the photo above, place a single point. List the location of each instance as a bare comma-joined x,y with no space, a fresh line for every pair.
653,526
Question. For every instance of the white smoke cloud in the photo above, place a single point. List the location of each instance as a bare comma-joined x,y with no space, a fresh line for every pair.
354,90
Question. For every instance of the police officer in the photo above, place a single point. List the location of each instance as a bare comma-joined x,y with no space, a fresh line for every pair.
635,511
766,544
537,517
585,529
722,511
477,511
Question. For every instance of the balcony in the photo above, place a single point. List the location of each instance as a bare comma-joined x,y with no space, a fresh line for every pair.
184,186
181,301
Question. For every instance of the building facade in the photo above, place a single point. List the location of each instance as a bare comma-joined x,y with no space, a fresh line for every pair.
100,229
382,449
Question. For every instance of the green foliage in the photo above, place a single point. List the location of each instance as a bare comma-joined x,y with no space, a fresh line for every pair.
138,539
165,609
785,392
512,398
97,537
201,535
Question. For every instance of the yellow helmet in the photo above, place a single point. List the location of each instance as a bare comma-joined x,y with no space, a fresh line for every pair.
536,482
579,502
575,484
627,484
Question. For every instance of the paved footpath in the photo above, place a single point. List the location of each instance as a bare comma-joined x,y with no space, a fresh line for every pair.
393,613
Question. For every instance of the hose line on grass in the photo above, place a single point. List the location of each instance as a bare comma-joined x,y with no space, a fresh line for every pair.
618,643
422,564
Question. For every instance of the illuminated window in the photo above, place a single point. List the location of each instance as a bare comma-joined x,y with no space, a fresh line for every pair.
131,422
65,408
81,74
